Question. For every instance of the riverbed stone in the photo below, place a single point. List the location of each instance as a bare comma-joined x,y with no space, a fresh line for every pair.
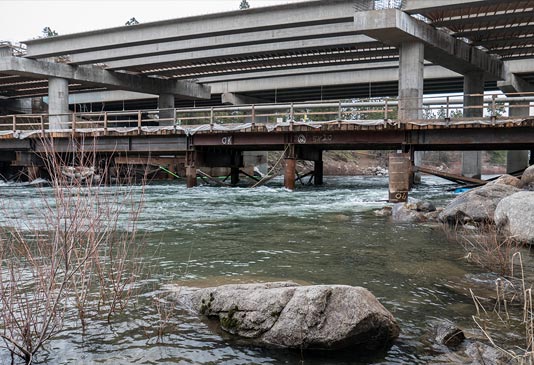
527,179
413,211
507,180
514,216
482,354
287,315
444,332
477,205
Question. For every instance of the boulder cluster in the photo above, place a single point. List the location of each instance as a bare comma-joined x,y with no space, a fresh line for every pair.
507,202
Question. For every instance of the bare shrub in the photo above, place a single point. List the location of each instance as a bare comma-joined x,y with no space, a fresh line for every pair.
75,252
486,247
525,323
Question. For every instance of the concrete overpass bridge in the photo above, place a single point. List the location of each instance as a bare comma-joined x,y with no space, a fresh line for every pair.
309,51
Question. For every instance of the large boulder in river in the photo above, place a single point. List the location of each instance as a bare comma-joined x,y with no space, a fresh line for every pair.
515,216
527,179
287,315
477,205
413,211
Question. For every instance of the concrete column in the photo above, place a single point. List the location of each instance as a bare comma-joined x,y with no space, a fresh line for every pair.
234,175
411,83
399,177
190,167
58,103
318,171
291,168
473,84
191,176
290,172
517,160
411,79
166,101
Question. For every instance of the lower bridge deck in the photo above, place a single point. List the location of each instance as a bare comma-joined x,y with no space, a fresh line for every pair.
218,136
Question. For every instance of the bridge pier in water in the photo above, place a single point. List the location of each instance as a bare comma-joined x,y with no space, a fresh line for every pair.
400,174
411,83
290,171
473,108
514,86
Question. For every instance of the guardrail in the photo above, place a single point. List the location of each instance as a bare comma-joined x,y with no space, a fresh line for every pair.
446,108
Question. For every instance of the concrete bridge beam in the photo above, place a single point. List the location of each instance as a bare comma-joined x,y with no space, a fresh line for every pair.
58,102
473,84
394,27
109,79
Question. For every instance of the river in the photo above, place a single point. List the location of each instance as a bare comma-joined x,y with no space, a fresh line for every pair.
327,235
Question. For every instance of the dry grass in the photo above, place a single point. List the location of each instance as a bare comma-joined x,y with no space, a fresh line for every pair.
56,257
521,354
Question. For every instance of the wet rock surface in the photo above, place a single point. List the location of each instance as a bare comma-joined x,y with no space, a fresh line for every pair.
414,211
477,205
287,315
514,216
527,179
444,332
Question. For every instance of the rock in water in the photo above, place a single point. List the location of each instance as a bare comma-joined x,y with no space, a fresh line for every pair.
515,215
286,315
527,179
477,205
444,332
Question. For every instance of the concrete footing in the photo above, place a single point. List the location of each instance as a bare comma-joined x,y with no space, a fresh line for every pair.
400,172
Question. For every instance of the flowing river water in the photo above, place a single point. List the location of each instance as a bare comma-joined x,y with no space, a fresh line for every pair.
328,235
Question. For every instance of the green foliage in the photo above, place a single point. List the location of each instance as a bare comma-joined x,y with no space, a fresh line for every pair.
497,157
49,32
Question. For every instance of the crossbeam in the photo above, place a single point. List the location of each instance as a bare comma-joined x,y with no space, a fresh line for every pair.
96,76
393,27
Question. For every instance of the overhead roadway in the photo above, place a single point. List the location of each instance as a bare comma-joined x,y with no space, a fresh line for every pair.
302,51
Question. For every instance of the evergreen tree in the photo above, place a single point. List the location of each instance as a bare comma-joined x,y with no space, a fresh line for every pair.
132,21
244,5
48,32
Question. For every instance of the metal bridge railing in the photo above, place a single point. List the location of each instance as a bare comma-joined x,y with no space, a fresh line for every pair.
433,110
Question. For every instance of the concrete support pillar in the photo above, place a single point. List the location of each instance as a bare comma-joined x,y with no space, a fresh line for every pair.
399,177
291,168
411,82
234,175
58,103
473,84
318,173
166,116
517,160
190,168
191,176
